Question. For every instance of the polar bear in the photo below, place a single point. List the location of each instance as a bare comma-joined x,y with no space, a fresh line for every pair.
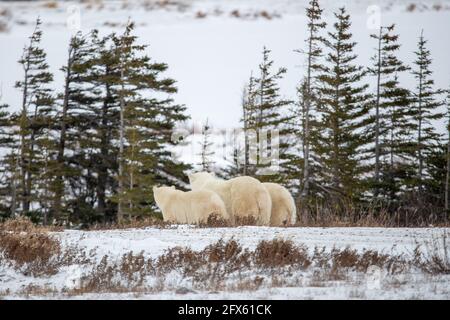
190,207
243,196
283,205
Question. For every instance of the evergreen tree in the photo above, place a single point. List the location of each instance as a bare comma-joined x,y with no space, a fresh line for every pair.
268,115
35,117
447,167
71,125
426,110
7,182
313,53
206,153
240,163
393,126
249,108
343,111
237,164
148,123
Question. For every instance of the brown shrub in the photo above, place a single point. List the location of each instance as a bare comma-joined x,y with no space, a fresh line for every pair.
235,13
131,224
346,258
227,257
280,253
409,213
247,284
245,221
200,15
35,252
215,221
24,224
411,7
101,277
21,224
436,259
183,259
51,5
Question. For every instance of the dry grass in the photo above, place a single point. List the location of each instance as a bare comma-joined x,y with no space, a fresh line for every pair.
32,252
436,258
411,7
280,253
32,290
50,5
219,263
224,265
215,221
24,224
370,215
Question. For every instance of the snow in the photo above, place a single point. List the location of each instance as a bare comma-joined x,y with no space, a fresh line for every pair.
212,58
154,242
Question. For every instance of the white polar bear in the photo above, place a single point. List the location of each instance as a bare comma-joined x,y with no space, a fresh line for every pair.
243,196
190,207
283,205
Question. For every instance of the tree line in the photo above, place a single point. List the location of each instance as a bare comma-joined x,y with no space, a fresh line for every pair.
92,151
343,145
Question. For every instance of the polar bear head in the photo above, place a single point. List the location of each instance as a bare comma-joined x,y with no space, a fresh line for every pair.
197,180
159,193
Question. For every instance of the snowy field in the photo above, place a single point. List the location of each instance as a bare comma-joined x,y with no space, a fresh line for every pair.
296,283
211,47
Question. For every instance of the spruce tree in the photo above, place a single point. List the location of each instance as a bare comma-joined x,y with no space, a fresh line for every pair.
7,173
313,53
71,126
426,110
268,113
249,108
35,116
148,123
343,109
447,167
206,153
393,126
98,123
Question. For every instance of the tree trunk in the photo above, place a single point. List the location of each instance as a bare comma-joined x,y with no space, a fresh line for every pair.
13,187
62,142
377,119
121,142
104,145
447,178
419,135
23,130
245,115
305,189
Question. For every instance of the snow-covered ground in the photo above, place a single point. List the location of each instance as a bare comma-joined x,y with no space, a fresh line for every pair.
299,284
154,241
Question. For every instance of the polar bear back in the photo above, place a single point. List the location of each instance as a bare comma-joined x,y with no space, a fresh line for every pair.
190,207
243,196
203,204
283,205
250,199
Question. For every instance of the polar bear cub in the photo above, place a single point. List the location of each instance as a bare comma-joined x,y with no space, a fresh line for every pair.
243,196
190,207
283,205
